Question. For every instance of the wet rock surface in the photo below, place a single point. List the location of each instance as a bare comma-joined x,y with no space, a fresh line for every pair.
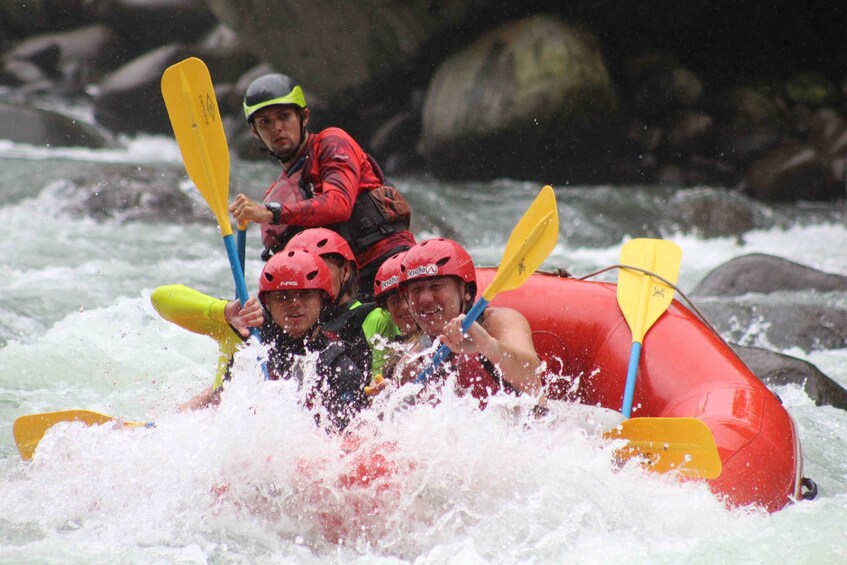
761,273
775,369
557,93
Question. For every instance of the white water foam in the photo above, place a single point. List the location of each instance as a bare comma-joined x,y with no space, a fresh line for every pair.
255,481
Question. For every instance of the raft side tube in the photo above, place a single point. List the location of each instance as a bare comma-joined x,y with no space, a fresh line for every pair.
685,370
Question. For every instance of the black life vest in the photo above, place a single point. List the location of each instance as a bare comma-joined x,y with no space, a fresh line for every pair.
345,324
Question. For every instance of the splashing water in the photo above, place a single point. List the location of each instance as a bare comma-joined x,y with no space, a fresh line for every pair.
254,480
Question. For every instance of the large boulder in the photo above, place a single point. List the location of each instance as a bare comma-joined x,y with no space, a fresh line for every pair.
809,323
760,299
227,58
125,193
43,128
78,56
344,49
130,98
147,24
790,172
529,98
661,85
761,273
711,213
776,369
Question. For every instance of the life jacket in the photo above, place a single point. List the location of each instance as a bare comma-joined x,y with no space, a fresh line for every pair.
477,376
346,325
377,212
341,378
341,384
288,189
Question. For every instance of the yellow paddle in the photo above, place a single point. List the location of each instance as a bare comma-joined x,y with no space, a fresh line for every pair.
644,293
643,297
193,111
28,430
685,445
532,240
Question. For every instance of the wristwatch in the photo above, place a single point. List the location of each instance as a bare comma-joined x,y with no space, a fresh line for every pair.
276,211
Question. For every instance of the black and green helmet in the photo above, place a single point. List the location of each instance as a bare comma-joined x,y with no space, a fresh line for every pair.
268,90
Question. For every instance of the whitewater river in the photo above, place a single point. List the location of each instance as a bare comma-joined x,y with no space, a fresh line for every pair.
253,481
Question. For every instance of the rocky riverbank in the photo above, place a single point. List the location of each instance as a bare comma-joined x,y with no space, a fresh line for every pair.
700,93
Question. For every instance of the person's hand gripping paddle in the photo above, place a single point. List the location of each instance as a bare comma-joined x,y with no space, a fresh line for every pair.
531,242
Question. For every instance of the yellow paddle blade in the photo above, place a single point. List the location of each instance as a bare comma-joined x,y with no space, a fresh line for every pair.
193,110
685,445
531,242
641,297
28,430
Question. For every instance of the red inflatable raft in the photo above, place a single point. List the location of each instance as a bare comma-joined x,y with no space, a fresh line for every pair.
685,371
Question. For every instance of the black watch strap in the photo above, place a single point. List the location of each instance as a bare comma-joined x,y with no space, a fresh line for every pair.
276,212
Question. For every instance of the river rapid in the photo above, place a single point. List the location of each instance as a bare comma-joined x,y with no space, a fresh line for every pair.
254,481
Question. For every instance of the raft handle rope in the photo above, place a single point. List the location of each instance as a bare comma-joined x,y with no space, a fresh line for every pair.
654,275
811,489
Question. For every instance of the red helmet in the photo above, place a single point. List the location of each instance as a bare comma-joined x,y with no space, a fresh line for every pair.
295,269
438,258
323,242
388,277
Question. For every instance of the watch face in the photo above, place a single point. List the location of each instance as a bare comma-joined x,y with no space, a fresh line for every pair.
276,211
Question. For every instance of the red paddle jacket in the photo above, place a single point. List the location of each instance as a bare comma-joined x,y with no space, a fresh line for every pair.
328,186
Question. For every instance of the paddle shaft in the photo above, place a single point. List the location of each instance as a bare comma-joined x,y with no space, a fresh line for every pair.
241,241
629,390
238,274
635,351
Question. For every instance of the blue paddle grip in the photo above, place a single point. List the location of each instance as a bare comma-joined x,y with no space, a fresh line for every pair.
629,390
443,350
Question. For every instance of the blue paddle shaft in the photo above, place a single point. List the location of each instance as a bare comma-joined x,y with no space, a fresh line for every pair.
629,390
240,285
443,350
237,273
241,240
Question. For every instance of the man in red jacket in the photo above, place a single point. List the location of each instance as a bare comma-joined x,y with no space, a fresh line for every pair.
327,180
